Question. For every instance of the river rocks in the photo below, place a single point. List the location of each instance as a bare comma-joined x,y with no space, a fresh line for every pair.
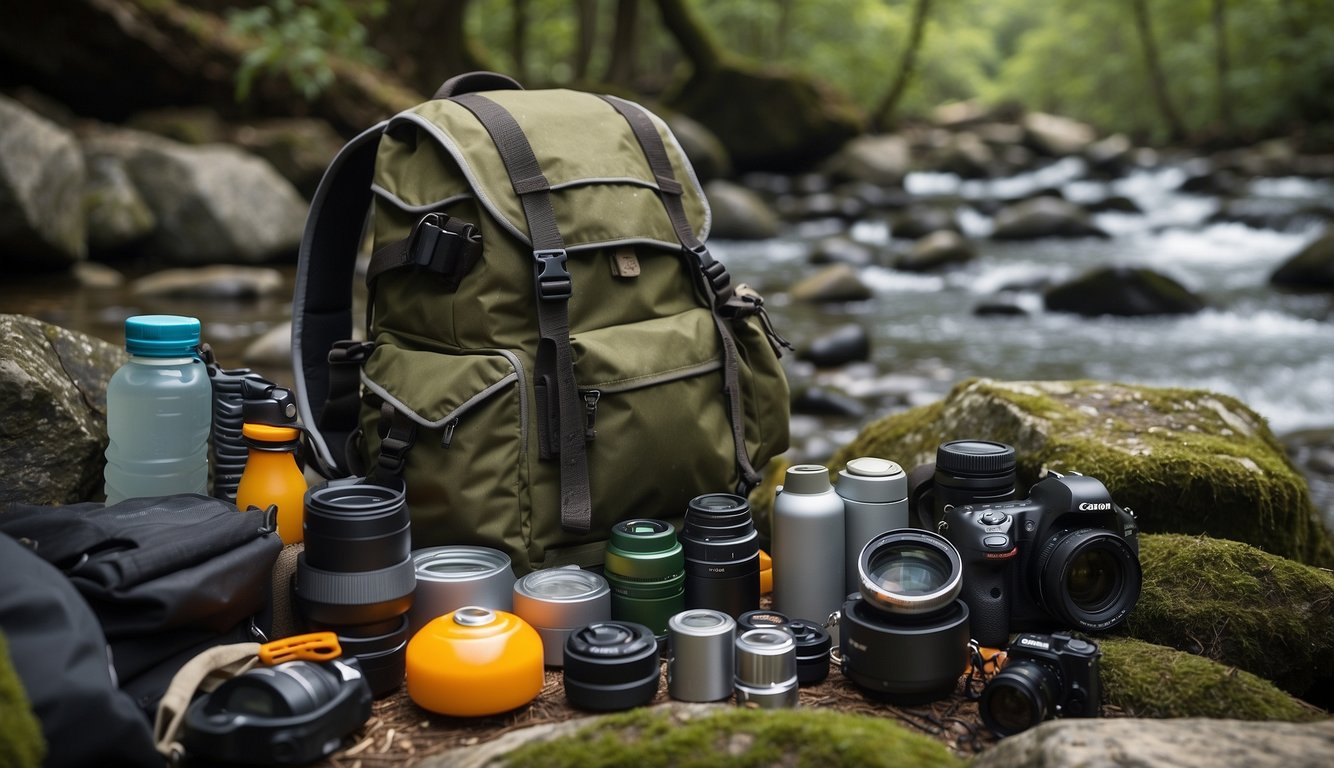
1240,606
1056,136
841,249
706,153
845,344
273,350
1311,268
936,251
822,401
837,282
739,213
922,219
116,213
1043,216
1187,461
298,148
878,159
41,192
213,282
52,411
1123,291
1189,743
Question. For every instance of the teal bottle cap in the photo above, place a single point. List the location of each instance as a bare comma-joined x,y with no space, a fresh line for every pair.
161,335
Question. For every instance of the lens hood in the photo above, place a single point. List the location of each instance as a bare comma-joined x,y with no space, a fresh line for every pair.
909,571
611,665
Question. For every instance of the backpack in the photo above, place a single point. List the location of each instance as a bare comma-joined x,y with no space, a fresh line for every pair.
550,347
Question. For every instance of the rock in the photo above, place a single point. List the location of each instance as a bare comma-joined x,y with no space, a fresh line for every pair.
273,349
738,213
1110,157
1274,213
187,125
52,411
298,148
1190,743
706,153
958,114
1114,203
845,344
1043,216
41,188
821,205
1187,461
98,277
921,220
1311,268
1056,136
936,251
841,249
220,281
1000,306
1122,291
1211,181
116,214
837,282
966,156
213,203
1240,606
820,401
879,159
1312,450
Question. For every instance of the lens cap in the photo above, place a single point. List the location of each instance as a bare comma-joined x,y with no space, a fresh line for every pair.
813,645
611,665
971,457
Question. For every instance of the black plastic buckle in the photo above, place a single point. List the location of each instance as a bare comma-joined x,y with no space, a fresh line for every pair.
350,351
435,243
551,278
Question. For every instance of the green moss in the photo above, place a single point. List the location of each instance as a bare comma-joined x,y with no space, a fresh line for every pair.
737,737
21,744
1238,605
1146,680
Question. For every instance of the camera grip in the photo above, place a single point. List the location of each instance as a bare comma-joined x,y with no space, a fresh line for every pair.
986,593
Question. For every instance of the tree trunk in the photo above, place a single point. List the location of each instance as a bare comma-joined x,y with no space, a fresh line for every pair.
1223,66
427,42
588,33
1157,79
519,39
624,44
907,66
690,32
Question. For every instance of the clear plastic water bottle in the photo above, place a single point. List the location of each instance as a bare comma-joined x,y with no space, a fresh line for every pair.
158,412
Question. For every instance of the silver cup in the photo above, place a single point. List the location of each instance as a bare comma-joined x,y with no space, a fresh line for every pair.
700,666
557,601
449,578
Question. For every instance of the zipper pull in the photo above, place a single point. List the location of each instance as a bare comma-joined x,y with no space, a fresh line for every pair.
448,436
591,397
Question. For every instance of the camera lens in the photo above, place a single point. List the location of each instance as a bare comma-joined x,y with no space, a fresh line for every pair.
722,554
973,472
1090,578
1019,697
766,669
381,650
910,572
556,601
611,665
700,665
645,568
452,577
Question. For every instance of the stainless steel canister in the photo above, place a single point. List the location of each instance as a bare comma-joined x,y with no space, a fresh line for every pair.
701,662
766,669
875,500
557,601
449,578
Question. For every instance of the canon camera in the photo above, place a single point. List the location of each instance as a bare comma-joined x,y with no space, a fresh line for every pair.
1065,557
1044,676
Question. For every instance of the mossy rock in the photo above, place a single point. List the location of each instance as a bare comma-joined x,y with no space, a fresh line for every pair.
1186,461
1240,606
21,743
736,737
1146,680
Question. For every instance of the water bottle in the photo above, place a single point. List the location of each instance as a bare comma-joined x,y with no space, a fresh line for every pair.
158,412
808,545
875,500
271,475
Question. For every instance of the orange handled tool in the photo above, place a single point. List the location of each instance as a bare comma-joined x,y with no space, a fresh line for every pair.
315,646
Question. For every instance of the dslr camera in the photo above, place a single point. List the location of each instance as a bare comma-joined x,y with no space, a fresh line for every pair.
1065,557
1044,676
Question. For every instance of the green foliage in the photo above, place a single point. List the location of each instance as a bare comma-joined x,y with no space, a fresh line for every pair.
299,40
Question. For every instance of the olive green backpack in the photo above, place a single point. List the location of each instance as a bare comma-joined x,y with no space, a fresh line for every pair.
550,348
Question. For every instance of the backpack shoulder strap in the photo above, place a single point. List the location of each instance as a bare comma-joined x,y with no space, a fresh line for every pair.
322,305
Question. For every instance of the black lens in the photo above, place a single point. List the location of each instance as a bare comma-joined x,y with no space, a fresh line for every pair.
973,472
910,572
722,554
813,645
1019,697
904,659
611,665
1090,578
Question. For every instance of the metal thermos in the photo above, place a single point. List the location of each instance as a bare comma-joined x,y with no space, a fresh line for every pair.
808,545
875,500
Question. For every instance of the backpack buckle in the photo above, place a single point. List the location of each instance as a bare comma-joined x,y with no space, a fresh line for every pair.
438,240
551,278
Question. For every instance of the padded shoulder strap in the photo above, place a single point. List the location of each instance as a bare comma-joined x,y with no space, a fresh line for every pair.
322,306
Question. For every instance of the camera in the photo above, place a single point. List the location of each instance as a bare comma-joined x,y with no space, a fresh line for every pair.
1067,557
1044,676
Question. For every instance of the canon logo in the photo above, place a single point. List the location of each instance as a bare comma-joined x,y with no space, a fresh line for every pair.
1095,506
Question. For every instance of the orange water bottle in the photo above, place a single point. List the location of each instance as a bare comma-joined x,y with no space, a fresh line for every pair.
271,475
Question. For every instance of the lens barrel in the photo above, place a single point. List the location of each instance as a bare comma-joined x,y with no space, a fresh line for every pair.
722,554
645,568
1019,697
702,657
451,577
557,601
611,665
766,669
973,472
1089,578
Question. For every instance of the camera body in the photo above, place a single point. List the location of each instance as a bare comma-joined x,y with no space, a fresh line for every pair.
1067,556
1044,676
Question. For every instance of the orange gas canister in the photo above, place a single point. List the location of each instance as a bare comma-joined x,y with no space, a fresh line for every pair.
474,662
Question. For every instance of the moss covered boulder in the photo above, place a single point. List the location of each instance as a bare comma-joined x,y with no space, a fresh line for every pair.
1146,680
1240,606
1187,461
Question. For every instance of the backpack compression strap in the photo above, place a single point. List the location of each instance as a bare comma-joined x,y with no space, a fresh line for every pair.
322,305
555,358
717,285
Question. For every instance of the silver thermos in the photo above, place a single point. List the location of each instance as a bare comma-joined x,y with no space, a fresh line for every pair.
808,545
875,500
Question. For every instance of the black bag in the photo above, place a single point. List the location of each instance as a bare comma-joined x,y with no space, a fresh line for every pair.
166,577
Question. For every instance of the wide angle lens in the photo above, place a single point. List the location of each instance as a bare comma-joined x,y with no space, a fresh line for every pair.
910,571
1090,578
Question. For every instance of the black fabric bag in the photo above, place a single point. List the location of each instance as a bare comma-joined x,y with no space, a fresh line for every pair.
166,577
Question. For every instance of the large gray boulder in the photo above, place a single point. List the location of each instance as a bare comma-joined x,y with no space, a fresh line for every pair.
739,213
52,411
1044,216
213,203
1055,135
41,192
879,159
1122,291
117,215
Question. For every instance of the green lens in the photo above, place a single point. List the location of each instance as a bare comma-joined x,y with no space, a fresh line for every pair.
645,568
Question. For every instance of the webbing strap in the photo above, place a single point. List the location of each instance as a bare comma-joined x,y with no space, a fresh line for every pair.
553,288
716,284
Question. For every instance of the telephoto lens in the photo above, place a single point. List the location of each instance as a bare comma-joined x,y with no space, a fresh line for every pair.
722,552
972,472
905,637
875,500
766,669
645,568
475,662
611,665
451,577
702,656
355,576
557,601
812,651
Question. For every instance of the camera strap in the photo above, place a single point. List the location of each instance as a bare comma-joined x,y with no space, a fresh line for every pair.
981,666
204,672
